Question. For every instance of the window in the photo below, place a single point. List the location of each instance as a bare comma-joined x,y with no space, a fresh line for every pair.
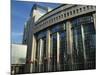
46,22
89,33
83,28
44,59
73,11
67,13
80,9
54,52
77,10
87,7
56,18
49,21
63,50
59,17
91,7
84,8
62,16
70,12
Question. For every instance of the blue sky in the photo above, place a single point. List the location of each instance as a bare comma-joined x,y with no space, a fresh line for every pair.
20,11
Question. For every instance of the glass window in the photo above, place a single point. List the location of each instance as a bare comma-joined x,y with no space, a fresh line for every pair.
92,7
62,16
89,33
58,28
84,41
56,18
44,58
54,52
63,50
77,10
67,13
41,34
73,11
87,7
84,8
70,12
80,9
59,17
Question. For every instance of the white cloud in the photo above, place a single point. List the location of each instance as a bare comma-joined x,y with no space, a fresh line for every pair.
17,33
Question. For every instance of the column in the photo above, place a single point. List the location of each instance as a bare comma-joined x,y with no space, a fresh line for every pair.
30,51
58,51
40,54
69,44
83,44
48,48
94,18
33,54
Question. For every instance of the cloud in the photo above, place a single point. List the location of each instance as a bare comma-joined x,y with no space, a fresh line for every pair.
17,33
16,37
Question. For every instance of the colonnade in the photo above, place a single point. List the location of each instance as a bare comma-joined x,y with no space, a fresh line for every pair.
39,46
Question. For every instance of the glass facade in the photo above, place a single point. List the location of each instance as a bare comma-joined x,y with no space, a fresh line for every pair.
83,46
63,50
54,52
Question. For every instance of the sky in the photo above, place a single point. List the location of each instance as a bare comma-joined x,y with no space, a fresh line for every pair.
20,11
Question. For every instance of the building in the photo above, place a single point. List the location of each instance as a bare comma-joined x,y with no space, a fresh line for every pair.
62,39
18,58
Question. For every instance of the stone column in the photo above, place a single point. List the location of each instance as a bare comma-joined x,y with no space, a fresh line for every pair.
48,48
94,19
83,44
40,54
33,54
58,51
69,44
30,51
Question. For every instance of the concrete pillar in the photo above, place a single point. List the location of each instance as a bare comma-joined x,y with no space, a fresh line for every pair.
69,37
40,54
83,44
48,48
58,51
33,54
30,51
94,19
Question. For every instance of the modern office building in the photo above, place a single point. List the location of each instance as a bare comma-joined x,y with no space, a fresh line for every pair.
63,39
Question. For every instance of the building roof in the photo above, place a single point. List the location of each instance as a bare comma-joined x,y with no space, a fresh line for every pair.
35,6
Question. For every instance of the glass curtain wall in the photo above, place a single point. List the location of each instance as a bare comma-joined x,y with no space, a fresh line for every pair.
41,63
58,32
84,42
62,55
84,46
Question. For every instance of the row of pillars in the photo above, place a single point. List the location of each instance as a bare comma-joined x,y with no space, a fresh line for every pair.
69,37
48,48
